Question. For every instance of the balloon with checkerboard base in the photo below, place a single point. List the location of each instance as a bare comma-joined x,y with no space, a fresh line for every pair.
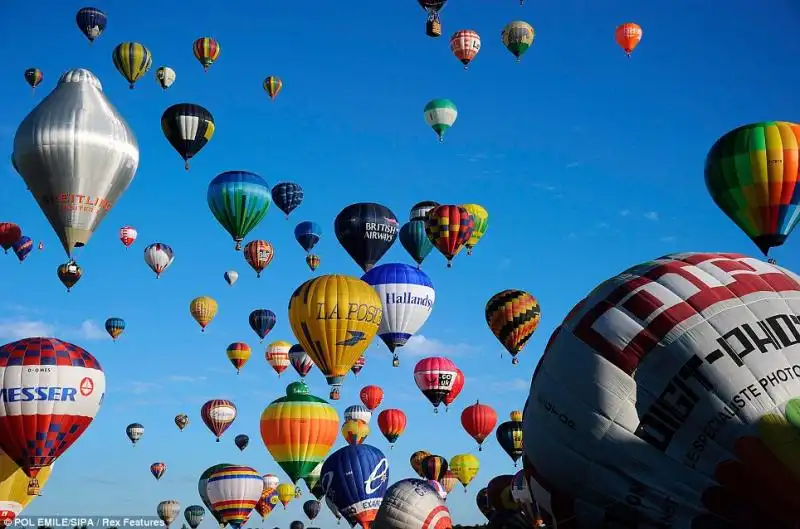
51,391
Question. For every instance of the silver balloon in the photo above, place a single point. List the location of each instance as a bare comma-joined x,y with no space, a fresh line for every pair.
77,156
410,504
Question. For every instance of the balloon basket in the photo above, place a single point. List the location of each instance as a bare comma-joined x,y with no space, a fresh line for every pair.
217,439
435,410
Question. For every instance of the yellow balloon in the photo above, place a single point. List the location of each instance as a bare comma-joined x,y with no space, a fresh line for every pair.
203,310
481,218
465,467
335,317
286,493
14,484
355,431
516,416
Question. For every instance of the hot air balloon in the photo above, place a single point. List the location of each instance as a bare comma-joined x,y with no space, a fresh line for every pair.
202,490
481,222
521,495
181,421
297,524
307,234
300,360
407,294
628,36
416,461
438,488
312,481
515,416
312,261
345,334
412,504
464,467
239,201
168,511
355,432
311,508
34,77
165,76
267,502
478,420
435,377
357,412
371,396
392,423
194,515
455,391
434,467
22,247
40,246
366,231
670,393
128,234
415,241
134,431
334,510
299,430
513,316
206,51
286,493
203,309
103,152
262,321
9,234
433,26
241,441
359,365
440,114
26,430
357,500
465,45
158,469
448,481
258,255
238,354
187,127
231,276
272,86
218,415
509,436
158,256
287,196
91,21
270,481
499,491
14,488
132,60
449,228
277,355
69,274
233,492
482,501
751,174
420,210
517,37
115,327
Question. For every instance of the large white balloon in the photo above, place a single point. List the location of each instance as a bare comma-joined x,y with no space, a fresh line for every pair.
412,504
668,398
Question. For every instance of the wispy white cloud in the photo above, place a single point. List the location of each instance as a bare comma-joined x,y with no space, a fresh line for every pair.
573,165
18,328
572,235
185,378
543,186
651,215
603,225
624,212
139,387
669,238
90,330
419,345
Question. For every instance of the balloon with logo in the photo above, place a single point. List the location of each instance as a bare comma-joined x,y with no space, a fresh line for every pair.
22,247
14,487
218,415
287,196
434,467
233,492
267,502
311,508
201,489
359,365
181,421
158,256
357,500
371,396
158,469
168,511
513,316
30,413
194,515
299,430
307,234
69,274
416,461
231,276
392,423
203,309
407,294
455,391
115,327
413,504
206,50
277,356
239,200
313,260
509,436
134,431
449,228
628,36
481,218
465,45
464,467
366,231
238,354
517,37
351,315
435,377
286,493
128,235
479,420
92,22
355,432
262,321
300,360
241,441
9,234
258,255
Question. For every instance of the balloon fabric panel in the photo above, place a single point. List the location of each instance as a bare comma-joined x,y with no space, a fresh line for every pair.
132,60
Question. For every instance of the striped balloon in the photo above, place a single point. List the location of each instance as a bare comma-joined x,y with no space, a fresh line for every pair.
238,353
206,51
233,492
277,355
449,228
299,430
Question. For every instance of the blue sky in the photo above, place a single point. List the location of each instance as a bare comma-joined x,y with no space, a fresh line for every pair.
587,162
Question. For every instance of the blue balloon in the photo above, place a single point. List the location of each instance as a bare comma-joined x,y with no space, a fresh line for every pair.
22,247
287,196
239,201
91,21
262,321
308,234
355,478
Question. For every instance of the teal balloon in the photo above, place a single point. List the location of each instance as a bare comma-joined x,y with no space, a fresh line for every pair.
415,240
239,200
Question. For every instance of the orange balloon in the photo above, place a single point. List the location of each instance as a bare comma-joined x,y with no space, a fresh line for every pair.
628,36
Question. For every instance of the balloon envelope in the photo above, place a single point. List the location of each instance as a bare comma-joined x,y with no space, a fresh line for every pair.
411,504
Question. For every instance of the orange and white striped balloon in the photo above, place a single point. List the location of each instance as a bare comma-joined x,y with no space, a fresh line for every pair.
465,45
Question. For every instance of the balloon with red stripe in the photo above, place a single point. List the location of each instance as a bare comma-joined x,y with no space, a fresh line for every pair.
233,492
218,415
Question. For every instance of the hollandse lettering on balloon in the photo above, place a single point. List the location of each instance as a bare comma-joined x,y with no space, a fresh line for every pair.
354,311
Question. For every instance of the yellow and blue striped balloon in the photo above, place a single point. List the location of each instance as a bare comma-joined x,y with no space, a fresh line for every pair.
132,60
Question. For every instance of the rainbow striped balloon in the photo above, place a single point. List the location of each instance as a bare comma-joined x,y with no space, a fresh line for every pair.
299,430
233,492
